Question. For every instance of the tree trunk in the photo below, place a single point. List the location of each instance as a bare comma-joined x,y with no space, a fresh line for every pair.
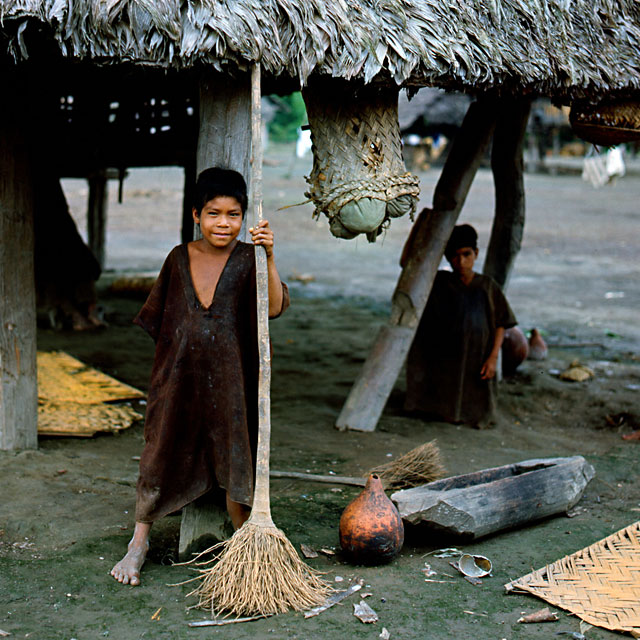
427,242
18,382
224,141
507,163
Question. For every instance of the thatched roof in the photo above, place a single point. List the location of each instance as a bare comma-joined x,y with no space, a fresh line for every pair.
552,47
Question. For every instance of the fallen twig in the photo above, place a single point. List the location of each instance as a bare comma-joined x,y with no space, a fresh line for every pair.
572,345
313,477
334,599
542,615
218,623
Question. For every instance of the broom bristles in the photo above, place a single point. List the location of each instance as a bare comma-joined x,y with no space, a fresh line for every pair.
418,466
258,572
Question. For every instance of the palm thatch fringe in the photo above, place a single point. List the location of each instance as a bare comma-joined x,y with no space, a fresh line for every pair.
550,46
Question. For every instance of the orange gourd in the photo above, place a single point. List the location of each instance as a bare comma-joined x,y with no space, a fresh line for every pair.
371,530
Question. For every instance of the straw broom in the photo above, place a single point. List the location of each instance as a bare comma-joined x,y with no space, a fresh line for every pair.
416,467
258,571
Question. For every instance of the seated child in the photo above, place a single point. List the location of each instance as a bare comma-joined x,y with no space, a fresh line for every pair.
452,362
201,422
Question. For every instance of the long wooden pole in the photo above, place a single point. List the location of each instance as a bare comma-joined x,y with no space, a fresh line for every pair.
372,388
507,164
261,509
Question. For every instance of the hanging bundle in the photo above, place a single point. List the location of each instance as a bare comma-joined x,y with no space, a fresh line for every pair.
359,180
608,123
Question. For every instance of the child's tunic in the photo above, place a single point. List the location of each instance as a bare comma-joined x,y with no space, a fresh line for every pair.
201,421
454,339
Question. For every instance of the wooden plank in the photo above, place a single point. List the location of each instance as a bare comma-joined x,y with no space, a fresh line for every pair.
18,386
507,164
224,140
97,214
204,523
477,504
428,239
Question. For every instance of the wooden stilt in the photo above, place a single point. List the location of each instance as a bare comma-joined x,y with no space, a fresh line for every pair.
507,164
18,383
97,214
371,389
224,140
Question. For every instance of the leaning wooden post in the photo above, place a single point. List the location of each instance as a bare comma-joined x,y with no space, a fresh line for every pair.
224,140
371,389
18,383
507,163
97,214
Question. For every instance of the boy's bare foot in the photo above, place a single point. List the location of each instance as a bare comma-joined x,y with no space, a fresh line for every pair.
127,571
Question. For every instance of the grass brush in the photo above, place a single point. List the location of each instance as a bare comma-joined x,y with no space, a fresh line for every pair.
258,571
416,467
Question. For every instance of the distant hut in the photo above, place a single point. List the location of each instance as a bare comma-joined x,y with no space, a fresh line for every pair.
429,121
183,65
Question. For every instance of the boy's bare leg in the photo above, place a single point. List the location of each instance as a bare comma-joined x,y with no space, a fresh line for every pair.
127,570
238,512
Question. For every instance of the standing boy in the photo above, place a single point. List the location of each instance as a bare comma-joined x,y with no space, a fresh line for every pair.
201,423
452,362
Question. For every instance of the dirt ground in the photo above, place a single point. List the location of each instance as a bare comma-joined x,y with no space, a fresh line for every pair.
66,511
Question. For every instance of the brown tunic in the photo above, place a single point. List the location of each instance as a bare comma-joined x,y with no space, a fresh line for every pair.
201,422
453,341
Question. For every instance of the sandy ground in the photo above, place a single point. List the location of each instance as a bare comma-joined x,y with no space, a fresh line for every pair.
66,509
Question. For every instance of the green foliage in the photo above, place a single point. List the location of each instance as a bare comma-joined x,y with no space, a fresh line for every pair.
289,116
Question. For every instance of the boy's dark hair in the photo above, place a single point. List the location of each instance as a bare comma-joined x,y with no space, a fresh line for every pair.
463,235
215,182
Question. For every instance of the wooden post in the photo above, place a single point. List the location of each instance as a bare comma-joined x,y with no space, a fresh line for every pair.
18,382
507,163
224,140
97,214
186,232
371,389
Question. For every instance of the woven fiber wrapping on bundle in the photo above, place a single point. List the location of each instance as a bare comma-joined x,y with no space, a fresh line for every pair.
608,123
359,180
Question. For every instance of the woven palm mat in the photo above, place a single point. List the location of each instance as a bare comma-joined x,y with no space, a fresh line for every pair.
73,398
600,584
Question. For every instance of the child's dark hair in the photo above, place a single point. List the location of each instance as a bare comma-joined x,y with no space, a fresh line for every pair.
216,182
463,235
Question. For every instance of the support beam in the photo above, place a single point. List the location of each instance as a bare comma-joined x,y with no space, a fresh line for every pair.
18,383
372,388
507,163
224,140
97,214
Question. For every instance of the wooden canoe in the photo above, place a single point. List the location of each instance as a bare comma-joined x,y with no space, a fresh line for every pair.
477,504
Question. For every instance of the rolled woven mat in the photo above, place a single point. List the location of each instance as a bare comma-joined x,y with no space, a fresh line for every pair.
609,123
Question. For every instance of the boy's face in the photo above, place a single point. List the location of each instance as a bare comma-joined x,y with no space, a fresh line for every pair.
463,260
220,221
